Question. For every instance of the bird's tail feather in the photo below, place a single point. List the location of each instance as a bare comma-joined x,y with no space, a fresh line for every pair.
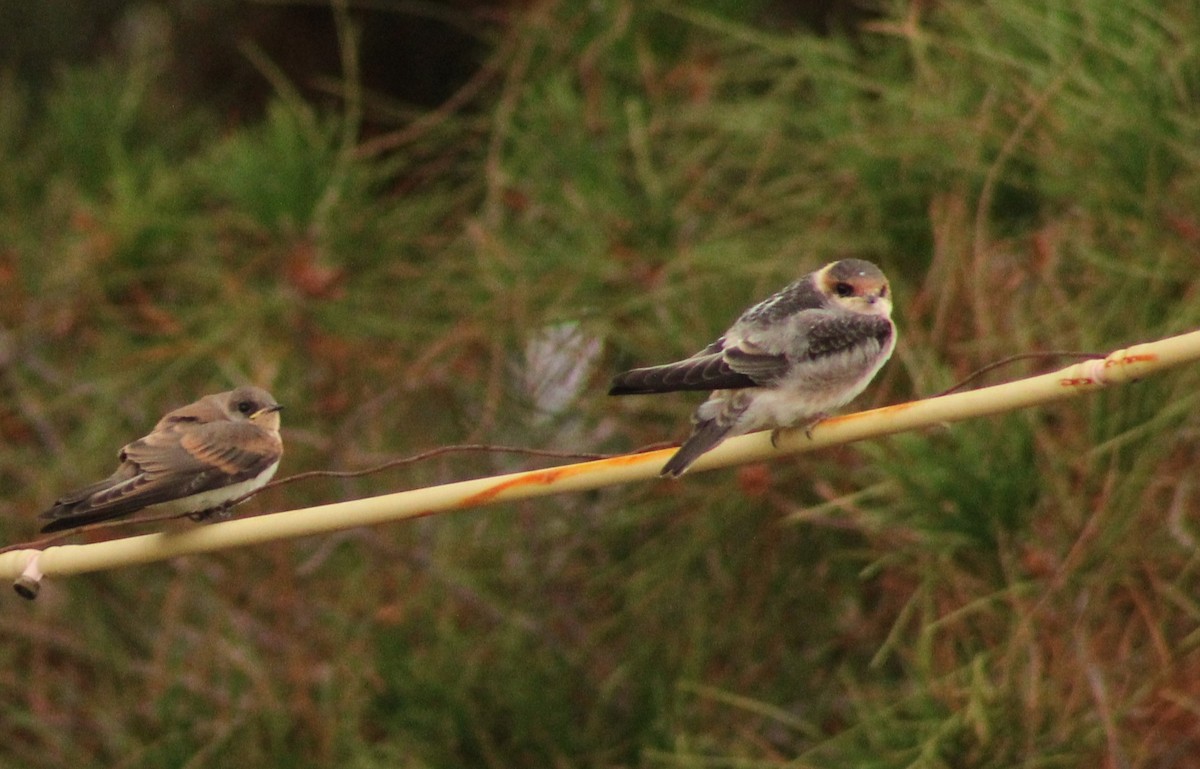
61,521
707,434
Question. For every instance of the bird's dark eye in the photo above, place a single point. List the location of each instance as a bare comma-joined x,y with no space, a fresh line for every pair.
844,289
245,407
883,291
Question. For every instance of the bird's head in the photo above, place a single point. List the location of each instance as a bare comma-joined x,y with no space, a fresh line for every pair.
857,285
253,404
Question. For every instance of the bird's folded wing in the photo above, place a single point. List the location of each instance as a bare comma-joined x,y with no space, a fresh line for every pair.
762,367
715,368
710,372
829,335
125,491
214,454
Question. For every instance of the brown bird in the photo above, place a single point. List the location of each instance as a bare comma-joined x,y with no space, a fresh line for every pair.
198,459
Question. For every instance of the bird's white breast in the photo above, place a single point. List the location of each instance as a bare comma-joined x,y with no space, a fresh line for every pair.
207,500
816,388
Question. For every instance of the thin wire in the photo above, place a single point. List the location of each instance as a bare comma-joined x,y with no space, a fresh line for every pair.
1045,355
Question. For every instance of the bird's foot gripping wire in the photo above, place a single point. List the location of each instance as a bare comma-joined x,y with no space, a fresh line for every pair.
218,513
808,428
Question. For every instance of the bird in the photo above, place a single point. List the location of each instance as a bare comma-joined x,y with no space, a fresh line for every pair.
792,358
198,459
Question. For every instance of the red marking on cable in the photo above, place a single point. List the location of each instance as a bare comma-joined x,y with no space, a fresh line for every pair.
554,474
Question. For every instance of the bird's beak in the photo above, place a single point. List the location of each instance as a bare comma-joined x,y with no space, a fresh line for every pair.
266,410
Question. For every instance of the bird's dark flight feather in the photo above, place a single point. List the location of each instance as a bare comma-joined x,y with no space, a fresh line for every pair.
711,372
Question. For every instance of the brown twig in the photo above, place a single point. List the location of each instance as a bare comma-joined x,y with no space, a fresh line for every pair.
1045,355
430,454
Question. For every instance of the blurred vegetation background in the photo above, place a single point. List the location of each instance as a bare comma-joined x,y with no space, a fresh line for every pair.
425,223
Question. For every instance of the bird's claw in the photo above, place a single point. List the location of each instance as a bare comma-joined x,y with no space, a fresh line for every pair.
220,512
808,428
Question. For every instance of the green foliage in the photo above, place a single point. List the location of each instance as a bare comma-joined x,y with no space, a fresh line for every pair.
280,173
1008,592
982,497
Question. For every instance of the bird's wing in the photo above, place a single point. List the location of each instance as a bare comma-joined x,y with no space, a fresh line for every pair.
760,365
729,367
766,353
712,372
825,334
168,465
203,457
792,326
706,370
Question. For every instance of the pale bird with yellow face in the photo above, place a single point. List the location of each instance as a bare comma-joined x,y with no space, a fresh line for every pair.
791,359
198,459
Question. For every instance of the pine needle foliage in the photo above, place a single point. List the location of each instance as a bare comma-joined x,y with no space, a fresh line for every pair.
623,179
